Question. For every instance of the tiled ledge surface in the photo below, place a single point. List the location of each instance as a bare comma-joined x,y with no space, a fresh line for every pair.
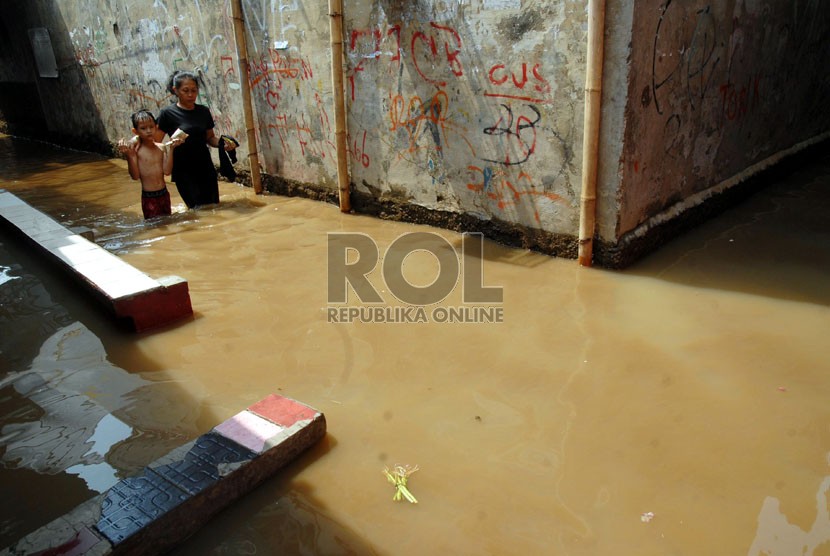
176,495
132,296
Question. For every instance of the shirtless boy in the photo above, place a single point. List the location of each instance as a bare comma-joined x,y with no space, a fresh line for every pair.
149,162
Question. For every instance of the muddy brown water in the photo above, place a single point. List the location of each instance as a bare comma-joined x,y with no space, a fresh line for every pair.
690,389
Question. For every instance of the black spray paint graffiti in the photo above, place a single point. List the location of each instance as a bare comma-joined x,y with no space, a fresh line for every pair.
685,60
152,95
506,128
694,70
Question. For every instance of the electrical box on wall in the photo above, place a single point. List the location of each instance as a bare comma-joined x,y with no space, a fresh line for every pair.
44,55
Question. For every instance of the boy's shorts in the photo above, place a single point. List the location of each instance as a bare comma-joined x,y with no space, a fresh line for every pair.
155,203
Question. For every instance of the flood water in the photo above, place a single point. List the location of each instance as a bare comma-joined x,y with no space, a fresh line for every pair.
677,408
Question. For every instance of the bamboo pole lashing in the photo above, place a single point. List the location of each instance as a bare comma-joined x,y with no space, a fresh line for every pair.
247,105
336,30
590,141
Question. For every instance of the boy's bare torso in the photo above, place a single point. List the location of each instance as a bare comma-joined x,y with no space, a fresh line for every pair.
150,165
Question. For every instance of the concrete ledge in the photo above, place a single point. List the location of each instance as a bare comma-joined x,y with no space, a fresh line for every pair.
130,295
176,495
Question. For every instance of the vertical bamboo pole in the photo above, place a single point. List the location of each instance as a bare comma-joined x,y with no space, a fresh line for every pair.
336,29
590,141
247,106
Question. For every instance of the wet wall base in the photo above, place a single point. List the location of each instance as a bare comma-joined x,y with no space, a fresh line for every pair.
503,232
636,245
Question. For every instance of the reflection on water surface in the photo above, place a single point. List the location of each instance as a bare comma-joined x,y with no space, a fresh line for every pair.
692,385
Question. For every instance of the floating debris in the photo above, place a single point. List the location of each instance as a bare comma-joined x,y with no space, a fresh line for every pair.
398,476
646,517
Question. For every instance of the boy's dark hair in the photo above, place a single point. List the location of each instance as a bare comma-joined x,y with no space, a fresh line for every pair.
177,77
142,116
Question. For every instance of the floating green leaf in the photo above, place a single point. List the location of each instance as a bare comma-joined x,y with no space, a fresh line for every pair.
398,476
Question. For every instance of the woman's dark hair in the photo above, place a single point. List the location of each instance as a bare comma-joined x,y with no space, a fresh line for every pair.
178,77
141,116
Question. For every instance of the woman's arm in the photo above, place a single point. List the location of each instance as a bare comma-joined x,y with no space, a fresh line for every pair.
212,139
161,120
167,161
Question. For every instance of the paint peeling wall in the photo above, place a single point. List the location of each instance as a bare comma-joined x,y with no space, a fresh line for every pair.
114,57
466,106
457,107
714,88
469,106
289,52
134,46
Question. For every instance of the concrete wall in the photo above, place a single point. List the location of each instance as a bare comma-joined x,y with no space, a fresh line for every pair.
67,106
463,113
461,106
471,107
715,90
290,79
115,57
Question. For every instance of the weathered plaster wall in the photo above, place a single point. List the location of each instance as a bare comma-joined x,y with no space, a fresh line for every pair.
289,57
466,113
616,73
469,106
114,57
463,106
714,88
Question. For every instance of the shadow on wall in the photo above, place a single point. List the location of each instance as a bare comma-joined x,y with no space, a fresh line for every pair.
18,114
60,109
774,244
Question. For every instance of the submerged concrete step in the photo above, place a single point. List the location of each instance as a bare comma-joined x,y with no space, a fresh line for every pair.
129,294
176,495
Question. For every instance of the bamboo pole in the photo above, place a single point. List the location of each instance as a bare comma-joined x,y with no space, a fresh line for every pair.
336,29
247,106
590,140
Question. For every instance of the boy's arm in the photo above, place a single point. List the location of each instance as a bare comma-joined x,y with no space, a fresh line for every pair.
129,148
132,163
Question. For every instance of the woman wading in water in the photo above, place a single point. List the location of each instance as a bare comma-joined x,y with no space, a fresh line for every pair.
193,171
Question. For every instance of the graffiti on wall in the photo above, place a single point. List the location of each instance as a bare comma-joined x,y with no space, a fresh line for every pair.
529,86
305,132
424,129
424,125
688,69
477,127
133,61
717,71
377,44
508,187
